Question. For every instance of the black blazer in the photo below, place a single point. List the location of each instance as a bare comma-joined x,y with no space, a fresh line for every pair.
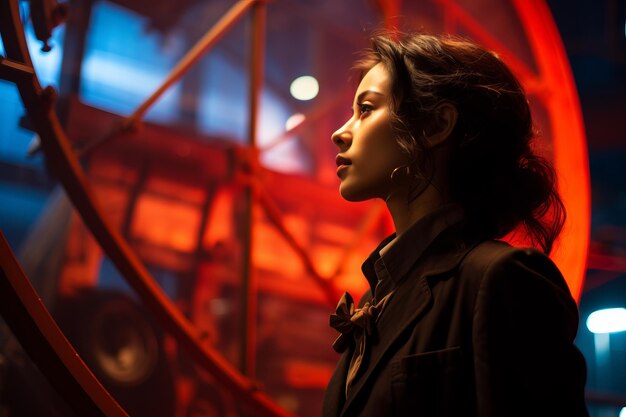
476,329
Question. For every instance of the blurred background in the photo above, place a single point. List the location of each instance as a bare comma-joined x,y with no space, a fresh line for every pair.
238,219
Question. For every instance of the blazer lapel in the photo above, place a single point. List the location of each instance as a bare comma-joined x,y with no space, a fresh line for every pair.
411,300
336,390
404,308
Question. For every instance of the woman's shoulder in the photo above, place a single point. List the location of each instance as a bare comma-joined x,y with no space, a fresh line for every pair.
496,267
496,256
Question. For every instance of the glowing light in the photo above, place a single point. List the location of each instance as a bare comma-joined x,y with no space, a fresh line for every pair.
294,120
609,320
304,88
118,84
623,412
166,223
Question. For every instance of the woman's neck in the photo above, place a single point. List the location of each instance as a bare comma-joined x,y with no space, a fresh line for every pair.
405,214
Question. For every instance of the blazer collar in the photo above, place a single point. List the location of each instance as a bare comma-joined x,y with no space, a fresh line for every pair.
409,247
412,298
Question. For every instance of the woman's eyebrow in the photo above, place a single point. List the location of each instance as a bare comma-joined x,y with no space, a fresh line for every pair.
366,92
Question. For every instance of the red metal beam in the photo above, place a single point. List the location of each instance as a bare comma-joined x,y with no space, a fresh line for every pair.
41,338
249,282
64,164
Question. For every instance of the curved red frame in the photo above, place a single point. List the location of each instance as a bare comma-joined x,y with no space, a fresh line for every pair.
66,167
46,344
568,138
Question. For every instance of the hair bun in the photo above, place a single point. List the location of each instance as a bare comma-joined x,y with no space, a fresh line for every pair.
536,180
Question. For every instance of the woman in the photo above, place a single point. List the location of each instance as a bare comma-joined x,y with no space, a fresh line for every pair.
455,322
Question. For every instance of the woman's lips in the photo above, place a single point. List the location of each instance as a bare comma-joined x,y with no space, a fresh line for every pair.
341,168
342,163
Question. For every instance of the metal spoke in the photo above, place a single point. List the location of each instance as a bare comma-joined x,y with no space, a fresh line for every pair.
275,216
249,282
191,58
320,110
370,219
15,71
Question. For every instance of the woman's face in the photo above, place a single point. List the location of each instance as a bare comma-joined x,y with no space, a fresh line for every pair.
368,151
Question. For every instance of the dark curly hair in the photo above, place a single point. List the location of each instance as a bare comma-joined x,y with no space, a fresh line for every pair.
494,173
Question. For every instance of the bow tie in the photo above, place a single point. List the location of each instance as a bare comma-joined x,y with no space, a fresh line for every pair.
353,322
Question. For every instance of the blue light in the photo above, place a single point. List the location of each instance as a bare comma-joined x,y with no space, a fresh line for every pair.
124,63
609,320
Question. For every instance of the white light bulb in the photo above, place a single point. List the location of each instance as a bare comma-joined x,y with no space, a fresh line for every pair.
304,88
608,320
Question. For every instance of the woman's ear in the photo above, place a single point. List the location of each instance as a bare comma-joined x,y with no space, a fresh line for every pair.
445,116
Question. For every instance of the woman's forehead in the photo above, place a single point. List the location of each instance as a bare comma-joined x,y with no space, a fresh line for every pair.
376,80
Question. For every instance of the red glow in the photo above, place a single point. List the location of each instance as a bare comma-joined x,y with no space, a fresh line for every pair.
568,139
301,374
166,223
220,221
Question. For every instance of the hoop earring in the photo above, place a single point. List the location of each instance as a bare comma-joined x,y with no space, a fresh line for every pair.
400,174
403,174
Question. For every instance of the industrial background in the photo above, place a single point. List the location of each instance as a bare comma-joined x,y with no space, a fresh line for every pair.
173,198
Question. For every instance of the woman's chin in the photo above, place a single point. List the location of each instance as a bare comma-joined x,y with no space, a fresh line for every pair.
352,194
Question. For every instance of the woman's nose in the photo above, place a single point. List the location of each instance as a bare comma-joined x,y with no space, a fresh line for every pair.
342,138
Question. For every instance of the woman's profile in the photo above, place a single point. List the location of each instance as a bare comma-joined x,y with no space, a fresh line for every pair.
456,322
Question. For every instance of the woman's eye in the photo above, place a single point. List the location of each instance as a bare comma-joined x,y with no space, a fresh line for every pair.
364,108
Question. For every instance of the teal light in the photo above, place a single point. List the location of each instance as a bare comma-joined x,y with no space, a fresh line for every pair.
608,320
